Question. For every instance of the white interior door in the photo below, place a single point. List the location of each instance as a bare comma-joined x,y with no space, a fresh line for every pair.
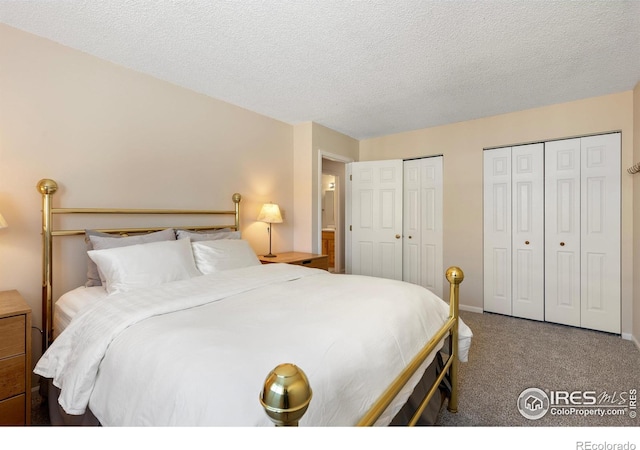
527,178
423,235
600,232
562,232
376,218
497,230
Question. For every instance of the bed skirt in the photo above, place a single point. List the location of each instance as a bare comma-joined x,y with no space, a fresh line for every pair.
59,417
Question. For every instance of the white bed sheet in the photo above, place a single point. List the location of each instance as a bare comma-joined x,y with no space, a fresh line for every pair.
196,352
70,303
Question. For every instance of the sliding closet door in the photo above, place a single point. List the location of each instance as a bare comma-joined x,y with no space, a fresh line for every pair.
422,224
562,232
497,230
600,233
527,240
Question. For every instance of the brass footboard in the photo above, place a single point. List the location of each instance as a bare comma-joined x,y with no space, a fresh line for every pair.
286,393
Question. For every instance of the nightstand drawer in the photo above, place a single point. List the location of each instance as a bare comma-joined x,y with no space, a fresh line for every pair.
13,410
15,359
12,336
316,263
12,376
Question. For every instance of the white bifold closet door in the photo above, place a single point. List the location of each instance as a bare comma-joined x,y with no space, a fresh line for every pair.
394,229
514,231
422,253
582,234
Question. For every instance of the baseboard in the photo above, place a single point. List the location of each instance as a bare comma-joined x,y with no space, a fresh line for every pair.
474,309
632,338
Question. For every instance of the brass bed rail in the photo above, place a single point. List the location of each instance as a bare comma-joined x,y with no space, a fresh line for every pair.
48,187
286,393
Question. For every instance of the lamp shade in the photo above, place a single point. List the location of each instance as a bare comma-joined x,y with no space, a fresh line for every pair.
3,223
270,213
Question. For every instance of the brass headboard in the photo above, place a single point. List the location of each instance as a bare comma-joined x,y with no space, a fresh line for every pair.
49,187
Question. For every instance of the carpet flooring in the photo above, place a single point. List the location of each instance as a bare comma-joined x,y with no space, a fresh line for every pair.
509,355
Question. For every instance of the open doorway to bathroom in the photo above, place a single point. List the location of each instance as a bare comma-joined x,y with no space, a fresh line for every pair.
331,203
329,218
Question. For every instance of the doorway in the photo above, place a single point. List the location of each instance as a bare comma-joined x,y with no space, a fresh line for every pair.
331,209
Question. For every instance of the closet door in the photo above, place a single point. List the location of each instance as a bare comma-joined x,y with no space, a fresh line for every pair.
497,230
376,218
422,224
514,231
527,239
562,232
582,264
600,233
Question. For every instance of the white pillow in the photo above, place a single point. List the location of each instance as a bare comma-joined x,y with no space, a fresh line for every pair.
223,254
144,265
99,241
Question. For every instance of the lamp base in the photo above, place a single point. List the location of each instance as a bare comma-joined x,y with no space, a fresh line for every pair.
270,255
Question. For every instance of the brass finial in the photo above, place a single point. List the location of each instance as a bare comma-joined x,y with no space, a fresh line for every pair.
286,395
455,275
236,198
47,186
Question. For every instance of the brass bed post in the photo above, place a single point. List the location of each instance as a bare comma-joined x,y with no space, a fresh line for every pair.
236,200
47,188
455,277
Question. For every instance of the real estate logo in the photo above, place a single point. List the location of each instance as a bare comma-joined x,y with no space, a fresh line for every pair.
533,403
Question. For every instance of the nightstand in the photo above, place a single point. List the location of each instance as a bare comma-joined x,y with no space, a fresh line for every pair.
15,359
300,259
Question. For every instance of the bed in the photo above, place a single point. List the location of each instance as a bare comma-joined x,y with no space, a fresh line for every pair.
194,331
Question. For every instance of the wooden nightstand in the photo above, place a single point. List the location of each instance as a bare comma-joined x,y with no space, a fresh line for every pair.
300,259
15,359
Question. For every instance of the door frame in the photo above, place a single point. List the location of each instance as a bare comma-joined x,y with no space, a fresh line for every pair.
340,210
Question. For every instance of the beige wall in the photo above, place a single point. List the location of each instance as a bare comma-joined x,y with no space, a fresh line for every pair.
636,216
303,192
462,145
113,137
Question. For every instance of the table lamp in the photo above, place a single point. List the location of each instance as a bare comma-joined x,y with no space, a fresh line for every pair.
270,213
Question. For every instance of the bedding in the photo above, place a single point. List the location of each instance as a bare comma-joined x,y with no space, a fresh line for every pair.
96,240
142,265
224,233
72,302
223,254
196,351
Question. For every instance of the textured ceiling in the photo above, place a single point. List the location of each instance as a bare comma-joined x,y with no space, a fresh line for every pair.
364,68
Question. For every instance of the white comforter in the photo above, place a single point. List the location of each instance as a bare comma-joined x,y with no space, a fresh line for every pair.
196,352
